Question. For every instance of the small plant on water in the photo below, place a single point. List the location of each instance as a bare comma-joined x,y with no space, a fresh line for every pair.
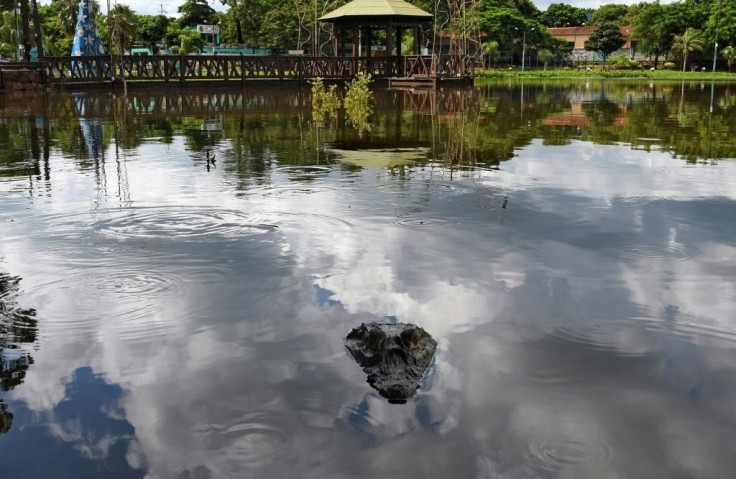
358,97
324,102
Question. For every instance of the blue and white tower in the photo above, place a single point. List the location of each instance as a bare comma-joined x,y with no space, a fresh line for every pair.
87,39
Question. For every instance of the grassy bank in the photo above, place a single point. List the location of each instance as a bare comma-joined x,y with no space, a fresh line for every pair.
644,74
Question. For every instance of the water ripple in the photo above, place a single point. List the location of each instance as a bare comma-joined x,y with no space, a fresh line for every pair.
558,453
649,251
187,224
249,442
626,338
420,222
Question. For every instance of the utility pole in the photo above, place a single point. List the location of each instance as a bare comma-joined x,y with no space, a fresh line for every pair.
162,12
523,47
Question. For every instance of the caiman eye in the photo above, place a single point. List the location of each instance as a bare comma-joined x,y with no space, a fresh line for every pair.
375,339
409,337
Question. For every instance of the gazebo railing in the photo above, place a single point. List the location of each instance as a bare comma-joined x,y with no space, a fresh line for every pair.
171,68
438,66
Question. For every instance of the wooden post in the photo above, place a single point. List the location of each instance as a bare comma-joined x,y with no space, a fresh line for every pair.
416,41
389,40
399,34
368,42
356,41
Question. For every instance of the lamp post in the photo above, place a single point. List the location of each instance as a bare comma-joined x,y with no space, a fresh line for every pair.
523,45
715,47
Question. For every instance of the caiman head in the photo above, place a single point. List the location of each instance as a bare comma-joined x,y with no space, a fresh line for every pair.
394,356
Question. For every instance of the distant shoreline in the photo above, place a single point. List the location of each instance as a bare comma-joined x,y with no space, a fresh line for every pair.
611,74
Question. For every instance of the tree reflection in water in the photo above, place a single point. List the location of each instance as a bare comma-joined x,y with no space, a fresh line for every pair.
17,331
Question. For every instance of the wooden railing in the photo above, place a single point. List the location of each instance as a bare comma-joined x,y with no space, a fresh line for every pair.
438,66
169,68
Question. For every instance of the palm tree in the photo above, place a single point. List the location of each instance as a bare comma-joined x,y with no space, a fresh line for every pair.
729,53
122,26
68,11
9,36
690,41
491,51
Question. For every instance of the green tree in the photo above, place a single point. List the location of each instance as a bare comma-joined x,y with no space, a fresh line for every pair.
122,27
690,41
490,52
545,56
196,12
729,53
722,15
503,21
563,15
67,11
605,40
560,48
610,13
9,36
151,28
190,42
653,32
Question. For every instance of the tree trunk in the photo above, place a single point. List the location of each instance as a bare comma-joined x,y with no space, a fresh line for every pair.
684,61
239,30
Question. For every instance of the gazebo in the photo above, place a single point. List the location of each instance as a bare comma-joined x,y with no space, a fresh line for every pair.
359,19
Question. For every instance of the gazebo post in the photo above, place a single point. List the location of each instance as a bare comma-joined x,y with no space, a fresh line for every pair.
356,41
368,41
399,34
416,40
389,40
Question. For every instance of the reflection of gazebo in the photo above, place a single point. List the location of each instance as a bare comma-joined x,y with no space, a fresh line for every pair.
363,17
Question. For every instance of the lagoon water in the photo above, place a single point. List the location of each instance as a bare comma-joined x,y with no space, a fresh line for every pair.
570,246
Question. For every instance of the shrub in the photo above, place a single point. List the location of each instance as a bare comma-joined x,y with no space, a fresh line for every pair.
670,66
358,98
324,102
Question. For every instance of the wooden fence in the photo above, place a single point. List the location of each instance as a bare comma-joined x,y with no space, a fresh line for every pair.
168,68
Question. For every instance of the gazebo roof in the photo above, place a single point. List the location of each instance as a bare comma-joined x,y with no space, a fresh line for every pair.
377,8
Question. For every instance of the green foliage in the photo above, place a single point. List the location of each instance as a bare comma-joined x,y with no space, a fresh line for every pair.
504,21
622,62
605,40
545,56
122,27
690,41
190,42
670,66
151,28
490,51
563,15
609,13
325,102
723,14
9,36
196,12
358,98
729,53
